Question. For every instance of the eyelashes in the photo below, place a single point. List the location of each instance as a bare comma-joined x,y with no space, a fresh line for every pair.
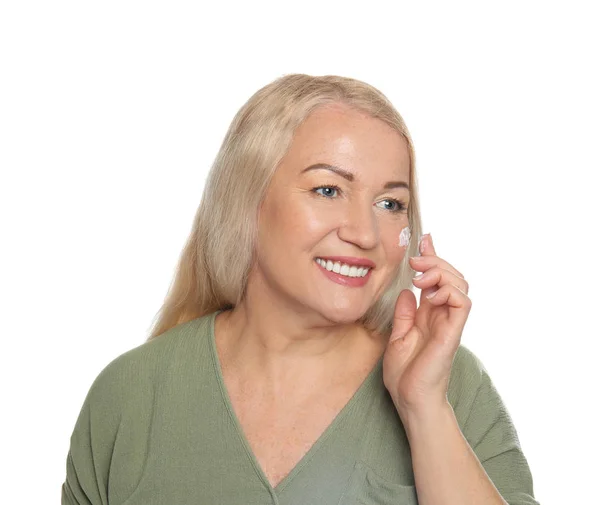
400,206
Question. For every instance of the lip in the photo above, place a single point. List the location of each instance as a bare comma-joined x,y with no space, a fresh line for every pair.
349,260
344,280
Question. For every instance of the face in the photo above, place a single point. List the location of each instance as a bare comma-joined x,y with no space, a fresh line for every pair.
310,213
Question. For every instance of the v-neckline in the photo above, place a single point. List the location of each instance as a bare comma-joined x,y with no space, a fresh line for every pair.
359,393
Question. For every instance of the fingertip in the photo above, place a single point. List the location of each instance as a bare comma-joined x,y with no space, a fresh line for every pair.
423,243
426,245
431,246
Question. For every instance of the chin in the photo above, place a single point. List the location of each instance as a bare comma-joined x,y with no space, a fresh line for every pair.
344,315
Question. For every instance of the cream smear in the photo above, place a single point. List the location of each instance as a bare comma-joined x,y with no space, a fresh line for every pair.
404,237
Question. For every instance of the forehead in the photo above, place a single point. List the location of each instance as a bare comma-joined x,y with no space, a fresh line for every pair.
345,137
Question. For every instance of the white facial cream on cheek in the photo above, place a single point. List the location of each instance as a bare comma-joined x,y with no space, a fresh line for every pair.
404,237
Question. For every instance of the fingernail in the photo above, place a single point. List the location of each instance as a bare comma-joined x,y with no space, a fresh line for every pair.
431,295
422,243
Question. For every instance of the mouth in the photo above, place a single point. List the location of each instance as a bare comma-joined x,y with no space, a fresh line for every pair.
343,268
343,273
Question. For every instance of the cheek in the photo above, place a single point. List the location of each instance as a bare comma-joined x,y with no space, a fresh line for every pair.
395,242
290,222
313,220
315,223
404,237
395,253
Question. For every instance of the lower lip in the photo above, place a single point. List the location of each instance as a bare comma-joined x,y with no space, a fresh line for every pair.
354,282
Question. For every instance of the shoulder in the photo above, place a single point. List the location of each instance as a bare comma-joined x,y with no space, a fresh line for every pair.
467,376
138,371
467,367
123,404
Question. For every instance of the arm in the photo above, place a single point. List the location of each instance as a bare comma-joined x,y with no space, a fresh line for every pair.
479,461
447,471
426,371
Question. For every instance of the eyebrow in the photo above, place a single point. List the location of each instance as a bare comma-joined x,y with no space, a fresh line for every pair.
350,176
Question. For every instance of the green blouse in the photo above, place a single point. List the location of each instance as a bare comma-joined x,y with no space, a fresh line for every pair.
158,427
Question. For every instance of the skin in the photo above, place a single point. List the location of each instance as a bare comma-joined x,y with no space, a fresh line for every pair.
296,330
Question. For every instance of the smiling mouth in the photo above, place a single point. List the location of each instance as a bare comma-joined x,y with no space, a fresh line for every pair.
338,267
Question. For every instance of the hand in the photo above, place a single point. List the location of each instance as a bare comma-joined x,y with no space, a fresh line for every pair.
419,355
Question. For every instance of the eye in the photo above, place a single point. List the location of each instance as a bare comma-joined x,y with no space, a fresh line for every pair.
400,206
331,188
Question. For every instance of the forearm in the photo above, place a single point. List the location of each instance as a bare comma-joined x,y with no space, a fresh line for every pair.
446,470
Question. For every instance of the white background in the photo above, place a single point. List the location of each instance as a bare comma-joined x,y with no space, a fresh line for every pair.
111,114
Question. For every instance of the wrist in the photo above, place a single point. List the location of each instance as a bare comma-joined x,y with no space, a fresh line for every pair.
425,418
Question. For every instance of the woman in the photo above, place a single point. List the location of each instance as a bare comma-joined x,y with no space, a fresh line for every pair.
290,363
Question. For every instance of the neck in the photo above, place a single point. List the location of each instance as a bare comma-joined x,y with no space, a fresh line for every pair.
266,345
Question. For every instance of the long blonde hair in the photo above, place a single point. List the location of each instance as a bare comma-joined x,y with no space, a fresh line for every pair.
214,265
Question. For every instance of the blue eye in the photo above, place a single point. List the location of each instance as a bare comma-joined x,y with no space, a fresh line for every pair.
335,188
400,206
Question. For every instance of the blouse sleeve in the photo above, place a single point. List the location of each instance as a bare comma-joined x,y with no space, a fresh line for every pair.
93,441
84,482
110,439
489,430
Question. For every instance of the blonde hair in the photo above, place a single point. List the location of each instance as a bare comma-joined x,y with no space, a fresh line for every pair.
214,265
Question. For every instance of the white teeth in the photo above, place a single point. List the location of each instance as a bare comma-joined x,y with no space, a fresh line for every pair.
343,269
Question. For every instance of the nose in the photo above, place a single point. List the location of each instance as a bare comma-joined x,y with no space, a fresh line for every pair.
360,226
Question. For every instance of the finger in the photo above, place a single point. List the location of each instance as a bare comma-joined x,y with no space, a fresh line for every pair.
422,263
459,306
440,277
427,250
404,314
426,245
453,297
